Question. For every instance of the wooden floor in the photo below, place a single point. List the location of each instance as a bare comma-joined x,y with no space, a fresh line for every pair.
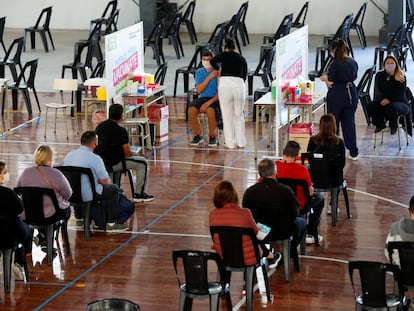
137,264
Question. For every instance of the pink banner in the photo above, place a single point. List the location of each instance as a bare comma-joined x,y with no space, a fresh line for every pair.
293,70
127,66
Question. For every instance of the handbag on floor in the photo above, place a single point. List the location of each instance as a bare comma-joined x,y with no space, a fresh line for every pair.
126,209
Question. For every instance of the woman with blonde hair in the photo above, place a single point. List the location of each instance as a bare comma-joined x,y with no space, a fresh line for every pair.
43,175
390,98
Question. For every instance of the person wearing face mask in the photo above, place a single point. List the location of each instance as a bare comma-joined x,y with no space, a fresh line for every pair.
84,156
342,97
390,99
43,175
232,94
207,101
12,229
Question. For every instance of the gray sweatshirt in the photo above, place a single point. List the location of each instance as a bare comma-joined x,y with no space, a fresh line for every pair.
402,230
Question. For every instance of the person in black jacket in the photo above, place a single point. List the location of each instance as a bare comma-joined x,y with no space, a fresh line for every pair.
390,99
275,205
12,229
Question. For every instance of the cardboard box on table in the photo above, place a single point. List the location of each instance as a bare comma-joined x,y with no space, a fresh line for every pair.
158,118
301,132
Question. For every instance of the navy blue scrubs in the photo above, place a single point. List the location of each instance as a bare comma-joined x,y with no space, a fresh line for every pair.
342,99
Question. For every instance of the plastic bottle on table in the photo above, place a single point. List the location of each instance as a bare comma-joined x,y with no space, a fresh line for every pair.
274,88
297,94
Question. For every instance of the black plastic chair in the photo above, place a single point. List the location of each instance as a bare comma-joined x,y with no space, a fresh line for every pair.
81,61
299,22
404,257
216,39
242,25
112,304
108,12
193,65
231,243
42,27
263,69
112,24
159,76
173,35
94,37
76,176
25,84
154,41
7,248
394,46
408,35
2,25
321,168
33,198
342,30
295,184
324,59
341,33
371,291
187,19
12,61
364,87
97,72
232,29
282,30
197,283
357,25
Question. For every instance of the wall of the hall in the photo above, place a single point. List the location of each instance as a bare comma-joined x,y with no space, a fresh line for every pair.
263,16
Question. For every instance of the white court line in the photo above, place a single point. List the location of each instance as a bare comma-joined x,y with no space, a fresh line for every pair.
26,141
378,197
203,164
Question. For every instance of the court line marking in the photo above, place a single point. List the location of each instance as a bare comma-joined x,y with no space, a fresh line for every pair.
134,236
158,218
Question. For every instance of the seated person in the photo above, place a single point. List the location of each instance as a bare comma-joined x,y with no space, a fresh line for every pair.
401,230
12,229
275,205
228,212
113,147
390,99
288,168
45,176
327,142
84,157
207,102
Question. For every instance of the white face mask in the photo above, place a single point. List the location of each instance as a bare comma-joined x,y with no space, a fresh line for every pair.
206,64
6,179
390,68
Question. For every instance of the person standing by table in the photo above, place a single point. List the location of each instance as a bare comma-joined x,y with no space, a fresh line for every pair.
342,97
232,94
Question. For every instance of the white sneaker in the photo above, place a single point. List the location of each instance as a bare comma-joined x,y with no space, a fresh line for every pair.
310,239
353,158
18,272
